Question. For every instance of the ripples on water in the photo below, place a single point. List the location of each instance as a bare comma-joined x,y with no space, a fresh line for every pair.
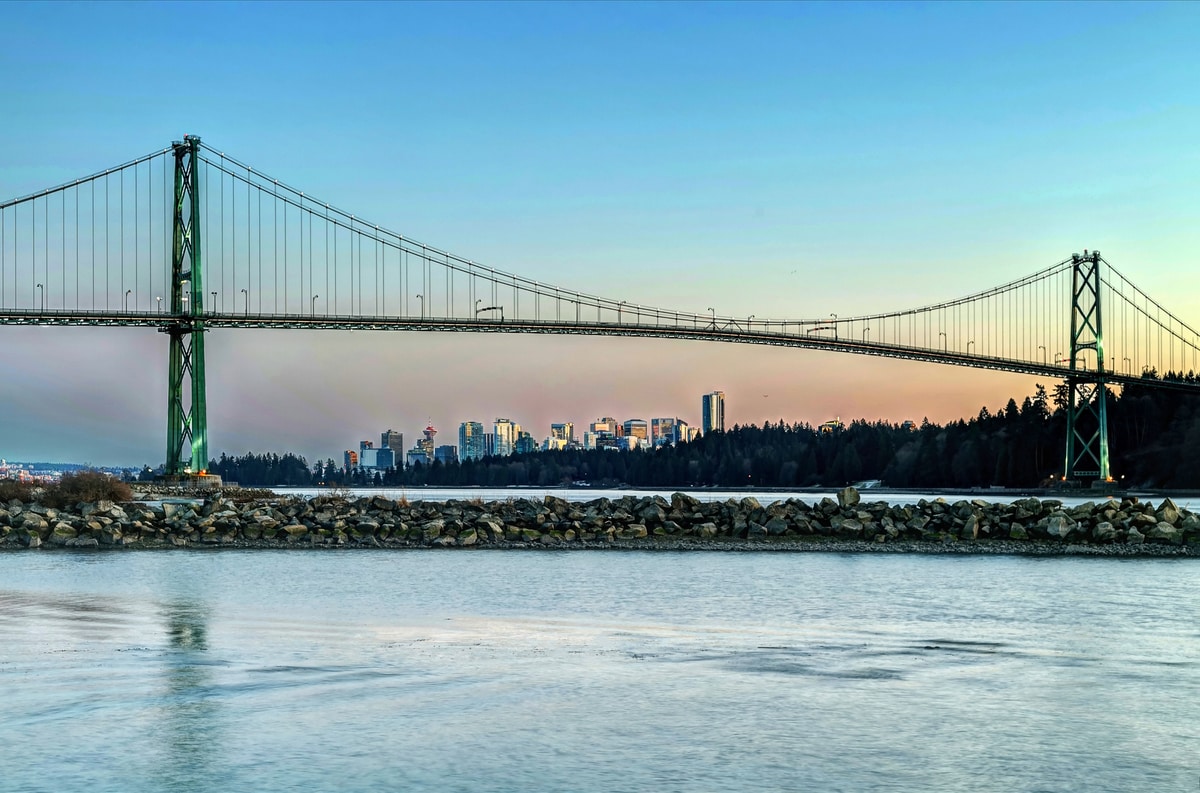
524,671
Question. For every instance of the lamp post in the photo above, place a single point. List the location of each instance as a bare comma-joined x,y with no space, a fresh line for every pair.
1126,362
619,305
128,292
865,332
972,341
942,333
314,305
42,296
246,293
1042,347
422,299
748,320
213,307
714,317
477,302
159,299
835,332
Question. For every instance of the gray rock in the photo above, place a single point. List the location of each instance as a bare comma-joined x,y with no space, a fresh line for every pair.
1165,533
1059,527
777,526
848,497
1168,512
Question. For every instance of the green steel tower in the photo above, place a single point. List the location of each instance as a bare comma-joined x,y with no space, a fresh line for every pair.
1087,413
187,426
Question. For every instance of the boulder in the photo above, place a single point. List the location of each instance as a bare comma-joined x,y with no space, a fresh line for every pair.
777,526
635,532
432,530
1104,532
1165,533
1167,512
1059,527
848,497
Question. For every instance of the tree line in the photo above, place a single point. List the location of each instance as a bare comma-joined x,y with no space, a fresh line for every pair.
1154,435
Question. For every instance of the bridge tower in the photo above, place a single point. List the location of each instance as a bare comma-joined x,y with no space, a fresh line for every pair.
187,424
1087,407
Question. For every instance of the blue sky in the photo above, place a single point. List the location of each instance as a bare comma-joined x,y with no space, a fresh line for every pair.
776,159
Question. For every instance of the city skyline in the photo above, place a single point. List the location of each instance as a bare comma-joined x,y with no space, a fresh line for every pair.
746,157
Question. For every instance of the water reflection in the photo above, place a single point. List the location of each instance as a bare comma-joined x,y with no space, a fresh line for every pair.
190,710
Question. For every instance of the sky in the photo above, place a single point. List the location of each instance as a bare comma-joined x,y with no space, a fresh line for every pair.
771,159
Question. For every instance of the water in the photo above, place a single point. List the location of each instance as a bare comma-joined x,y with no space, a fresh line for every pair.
596,671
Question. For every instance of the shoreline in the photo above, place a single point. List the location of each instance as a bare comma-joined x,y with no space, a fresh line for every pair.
1028,526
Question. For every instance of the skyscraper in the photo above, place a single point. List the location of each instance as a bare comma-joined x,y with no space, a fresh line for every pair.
390,439
563,432
636,428
664,432
712,409
506,436
471,440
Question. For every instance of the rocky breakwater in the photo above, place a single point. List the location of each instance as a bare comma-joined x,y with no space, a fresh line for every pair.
1125,527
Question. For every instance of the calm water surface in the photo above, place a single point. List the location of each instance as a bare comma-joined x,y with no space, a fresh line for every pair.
596,671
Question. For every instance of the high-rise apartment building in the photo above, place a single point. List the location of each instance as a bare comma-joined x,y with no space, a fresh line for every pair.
563,432
506,435
471,440
712,410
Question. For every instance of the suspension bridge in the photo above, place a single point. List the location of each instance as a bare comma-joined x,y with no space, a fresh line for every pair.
188,240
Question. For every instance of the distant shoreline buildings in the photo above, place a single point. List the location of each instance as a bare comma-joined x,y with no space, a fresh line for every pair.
507,438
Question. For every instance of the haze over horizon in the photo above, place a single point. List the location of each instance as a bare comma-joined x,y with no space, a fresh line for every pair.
770,159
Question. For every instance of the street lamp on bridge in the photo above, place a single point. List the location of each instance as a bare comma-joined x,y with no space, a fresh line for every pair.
714,317
972,341
314,305
42,296
128,292
422,299
213,307
942,333
748,319
866,330
247,295
1042,347
159,299
619,305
